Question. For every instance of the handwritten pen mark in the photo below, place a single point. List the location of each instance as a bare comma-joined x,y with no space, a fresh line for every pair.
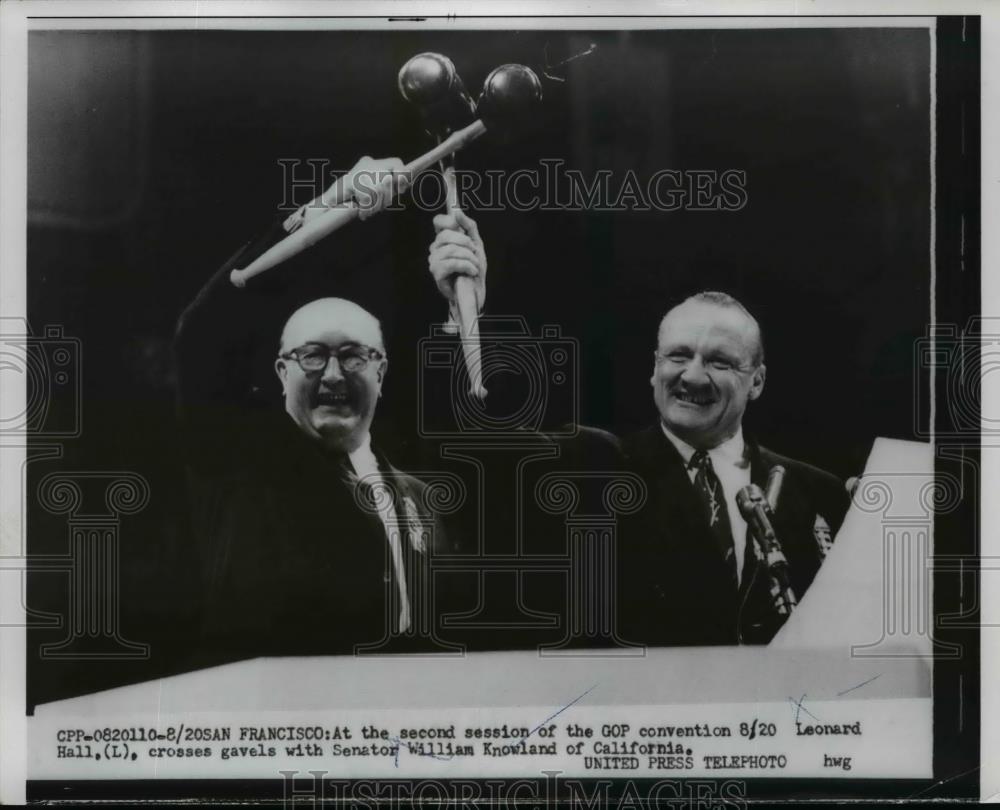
548,67
800,708
399,743
564,708
872,678
943,782
409,747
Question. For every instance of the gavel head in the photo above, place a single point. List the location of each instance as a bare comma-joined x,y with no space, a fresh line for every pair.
511,94
430,82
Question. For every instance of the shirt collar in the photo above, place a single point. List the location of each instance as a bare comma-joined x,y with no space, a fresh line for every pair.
363,457
731,451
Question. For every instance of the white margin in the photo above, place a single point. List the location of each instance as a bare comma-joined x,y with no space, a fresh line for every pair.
13,232
13,194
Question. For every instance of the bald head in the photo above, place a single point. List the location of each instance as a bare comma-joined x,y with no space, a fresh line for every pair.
708,366
325,316
736,313
333,403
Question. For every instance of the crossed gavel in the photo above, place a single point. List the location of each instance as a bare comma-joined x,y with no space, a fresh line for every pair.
429,81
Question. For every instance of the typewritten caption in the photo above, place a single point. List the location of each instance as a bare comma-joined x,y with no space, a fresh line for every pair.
764,740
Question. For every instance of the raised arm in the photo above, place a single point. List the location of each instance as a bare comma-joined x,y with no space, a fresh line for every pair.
217,334
214,350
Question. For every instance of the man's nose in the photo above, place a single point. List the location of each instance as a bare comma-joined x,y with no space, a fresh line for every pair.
695,373
332,372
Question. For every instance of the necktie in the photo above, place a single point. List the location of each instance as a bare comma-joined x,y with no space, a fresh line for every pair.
709,489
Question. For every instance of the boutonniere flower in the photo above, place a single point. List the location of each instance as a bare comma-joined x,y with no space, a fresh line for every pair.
823,535
417,539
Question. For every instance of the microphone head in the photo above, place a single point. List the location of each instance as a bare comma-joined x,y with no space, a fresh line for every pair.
775,480
851,484
748,498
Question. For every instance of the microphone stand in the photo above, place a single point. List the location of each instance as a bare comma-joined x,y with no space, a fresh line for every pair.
756,510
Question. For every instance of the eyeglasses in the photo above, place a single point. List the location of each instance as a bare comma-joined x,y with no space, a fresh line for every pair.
353,357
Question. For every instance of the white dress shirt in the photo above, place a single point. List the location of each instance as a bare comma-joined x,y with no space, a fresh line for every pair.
366,466
733,470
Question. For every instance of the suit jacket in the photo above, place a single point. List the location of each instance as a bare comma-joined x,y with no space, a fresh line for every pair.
679,588
293,562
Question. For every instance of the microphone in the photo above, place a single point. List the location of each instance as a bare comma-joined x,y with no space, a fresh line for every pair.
757,512
775,480
852,484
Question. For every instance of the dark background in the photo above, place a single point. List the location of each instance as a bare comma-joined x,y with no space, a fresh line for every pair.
153,156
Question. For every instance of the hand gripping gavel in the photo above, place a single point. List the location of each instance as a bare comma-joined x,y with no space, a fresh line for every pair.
509,94
430,82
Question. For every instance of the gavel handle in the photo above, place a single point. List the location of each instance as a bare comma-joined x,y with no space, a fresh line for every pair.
326,223
467,305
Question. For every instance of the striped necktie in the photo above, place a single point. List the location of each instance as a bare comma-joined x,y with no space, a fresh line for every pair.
709,489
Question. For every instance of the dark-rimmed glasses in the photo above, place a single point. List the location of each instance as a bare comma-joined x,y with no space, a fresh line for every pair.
352,357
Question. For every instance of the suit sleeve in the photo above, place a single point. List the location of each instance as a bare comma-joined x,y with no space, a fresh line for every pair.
213,350
831,498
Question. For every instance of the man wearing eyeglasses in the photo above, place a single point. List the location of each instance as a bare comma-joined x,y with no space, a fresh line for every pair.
690,560
314,542
331,366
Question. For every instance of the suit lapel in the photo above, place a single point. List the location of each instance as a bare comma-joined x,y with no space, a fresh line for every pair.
413,540
680,518
673,493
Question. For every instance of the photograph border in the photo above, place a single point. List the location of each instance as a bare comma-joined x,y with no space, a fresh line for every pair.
958,747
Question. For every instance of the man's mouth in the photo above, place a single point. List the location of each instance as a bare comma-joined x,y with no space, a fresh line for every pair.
331,399
694,398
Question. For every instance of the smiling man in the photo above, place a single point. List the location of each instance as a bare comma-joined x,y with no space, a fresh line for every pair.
313,541
331,365
689,555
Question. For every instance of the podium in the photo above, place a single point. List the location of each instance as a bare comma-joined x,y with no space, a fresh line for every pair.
872,597
858,647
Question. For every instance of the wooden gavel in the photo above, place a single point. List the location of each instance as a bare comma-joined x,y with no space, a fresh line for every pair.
507,93
332,219
431,82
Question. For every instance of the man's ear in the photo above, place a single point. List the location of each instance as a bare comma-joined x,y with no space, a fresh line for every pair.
383,366
757,384
652,377
281,369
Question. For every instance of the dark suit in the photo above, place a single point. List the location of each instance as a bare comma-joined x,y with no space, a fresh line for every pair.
679,589
292,563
